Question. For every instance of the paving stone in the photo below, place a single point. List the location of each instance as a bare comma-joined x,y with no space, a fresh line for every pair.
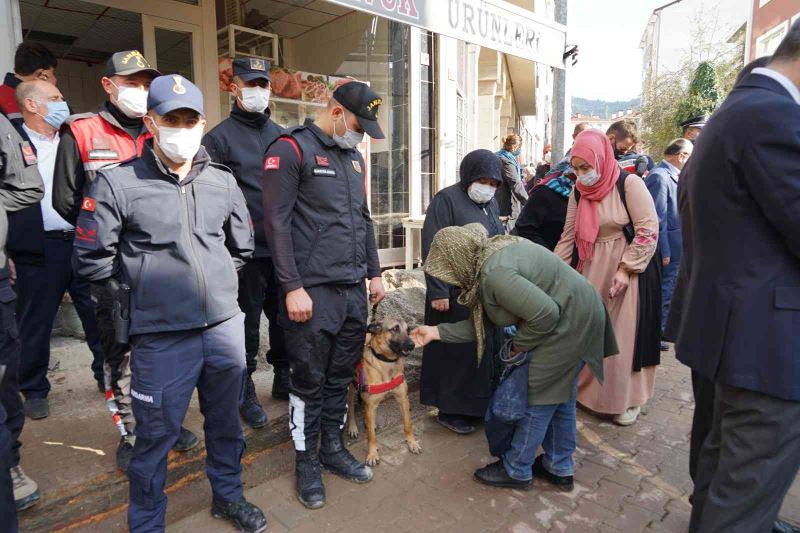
633,518
610,495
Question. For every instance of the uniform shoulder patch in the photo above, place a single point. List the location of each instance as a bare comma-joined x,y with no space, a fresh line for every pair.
272,163
86,233
357,166
88,204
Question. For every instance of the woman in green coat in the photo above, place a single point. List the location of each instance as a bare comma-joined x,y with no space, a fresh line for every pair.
509,281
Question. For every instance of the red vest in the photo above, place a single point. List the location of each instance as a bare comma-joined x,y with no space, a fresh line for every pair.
101,144
8,103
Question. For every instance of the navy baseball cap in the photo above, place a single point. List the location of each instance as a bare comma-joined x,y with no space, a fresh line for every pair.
168,93
363,102
695,122
251,68
129,62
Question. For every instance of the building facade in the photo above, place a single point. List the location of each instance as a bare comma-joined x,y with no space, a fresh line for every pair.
767,25
455,74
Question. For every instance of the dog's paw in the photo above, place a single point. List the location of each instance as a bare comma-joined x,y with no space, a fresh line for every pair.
352,433
373,458
414,447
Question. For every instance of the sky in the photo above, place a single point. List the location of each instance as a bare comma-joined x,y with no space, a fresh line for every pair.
608,33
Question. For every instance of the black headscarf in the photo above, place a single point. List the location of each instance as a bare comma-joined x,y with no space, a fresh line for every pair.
480,164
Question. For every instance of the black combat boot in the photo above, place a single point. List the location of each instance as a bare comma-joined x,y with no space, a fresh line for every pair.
244,515
308,476
336,459
280,383
252,412
186,441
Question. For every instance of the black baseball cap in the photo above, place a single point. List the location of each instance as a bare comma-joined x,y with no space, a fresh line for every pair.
251,68
129,62
695,122
363,102
168,93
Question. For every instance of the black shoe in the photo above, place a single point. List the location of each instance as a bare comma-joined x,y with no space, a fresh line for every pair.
455,423
101,384
664,347
244,515
124,454
336,459
308,477
37,408
564,483
186,441
495,474
280,383
252,412
784,527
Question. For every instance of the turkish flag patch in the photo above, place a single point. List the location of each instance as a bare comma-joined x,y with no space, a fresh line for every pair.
272,163
86,233
88,204
322,161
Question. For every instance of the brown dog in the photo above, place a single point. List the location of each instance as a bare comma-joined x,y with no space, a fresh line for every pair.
379,374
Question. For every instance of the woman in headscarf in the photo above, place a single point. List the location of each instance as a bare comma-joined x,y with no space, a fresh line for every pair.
560,319
511,195
595,242
460,390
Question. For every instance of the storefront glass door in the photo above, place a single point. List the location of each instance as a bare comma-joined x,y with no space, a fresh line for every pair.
173,47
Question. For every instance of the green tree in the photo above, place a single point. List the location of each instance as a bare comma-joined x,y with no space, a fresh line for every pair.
704,95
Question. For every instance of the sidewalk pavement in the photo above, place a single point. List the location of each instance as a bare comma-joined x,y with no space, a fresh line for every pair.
628,480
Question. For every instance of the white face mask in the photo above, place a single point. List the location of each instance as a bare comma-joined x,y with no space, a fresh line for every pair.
131,101
350,139
254,99
481,193
590,178
179,144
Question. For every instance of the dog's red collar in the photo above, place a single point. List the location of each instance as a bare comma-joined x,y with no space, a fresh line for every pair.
380,388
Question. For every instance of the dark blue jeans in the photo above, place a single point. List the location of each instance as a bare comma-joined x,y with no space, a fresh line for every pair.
551,426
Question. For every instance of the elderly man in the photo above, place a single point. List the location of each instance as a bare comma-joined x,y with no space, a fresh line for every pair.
662,182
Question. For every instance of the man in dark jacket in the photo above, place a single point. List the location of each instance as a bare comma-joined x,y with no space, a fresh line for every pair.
323,244
737,324
450,379
174,227
20,186
240,142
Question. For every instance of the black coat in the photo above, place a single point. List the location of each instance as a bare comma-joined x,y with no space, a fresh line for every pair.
542,219
450,380
741,232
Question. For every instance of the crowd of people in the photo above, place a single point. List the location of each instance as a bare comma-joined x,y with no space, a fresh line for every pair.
545,290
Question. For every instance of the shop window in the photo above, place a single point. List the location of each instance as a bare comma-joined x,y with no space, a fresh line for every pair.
428,183
768,43
461,128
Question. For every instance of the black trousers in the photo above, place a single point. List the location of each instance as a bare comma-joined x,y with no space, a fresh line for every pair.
40,289
8,510
747,464
322,356
701,420
258,293
9,386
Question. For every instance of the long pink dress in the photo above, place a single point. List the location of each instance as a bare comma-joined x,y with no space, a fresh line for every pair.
622,388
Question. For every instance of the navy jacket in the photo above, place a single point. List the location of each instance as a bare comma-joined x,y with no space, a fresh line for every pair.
240,142
739,321
662,182
177,244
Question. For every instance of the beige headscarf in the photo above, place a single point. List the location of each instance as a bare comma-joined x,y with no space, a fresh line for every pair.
456,257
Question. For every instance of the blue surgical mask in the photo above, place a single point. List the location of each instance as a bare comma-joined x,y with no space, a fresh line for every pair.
350,139
516,153
57,113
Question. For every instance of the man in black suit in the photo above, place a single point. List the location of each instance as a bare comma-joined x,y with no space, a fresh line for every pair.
742,302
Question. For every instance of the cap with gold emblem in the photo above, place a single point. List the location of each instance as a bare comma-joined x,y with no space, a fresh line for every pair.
363,102
127,63
251,68
168,93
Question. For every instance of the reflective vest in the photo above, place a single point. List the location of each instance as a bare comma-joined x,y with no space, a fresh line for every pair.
101,143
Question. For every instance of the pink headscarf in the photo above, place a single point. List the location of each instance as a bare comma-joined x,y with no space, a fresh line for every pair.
593,147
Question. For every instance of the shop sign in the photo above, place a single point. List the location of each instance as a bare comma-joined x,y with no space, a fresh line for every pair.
493,24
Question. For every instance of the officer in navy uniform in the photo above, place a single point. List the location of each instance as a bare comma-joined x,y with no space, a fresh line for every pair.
20,186
240,142
693,126
320,232
174,227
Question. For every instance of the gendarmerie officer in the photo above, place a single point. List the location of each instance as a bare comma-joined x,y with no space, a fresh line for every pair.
239,142
113,134
320,232
174,227
20,186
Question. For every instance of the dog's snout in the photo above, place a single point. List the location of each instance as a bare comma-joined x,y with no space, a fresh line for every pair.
409,344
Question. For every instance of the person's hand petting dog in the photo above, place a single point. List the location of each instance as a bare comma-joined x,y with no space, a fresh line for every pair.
424,335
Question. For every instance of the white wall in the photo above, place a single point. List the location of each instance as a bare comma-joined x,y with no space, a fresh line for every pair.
80,85
447,74
10,34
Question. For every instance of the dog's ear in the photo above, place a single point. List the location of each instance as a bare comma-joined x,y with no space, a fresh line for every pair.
374,328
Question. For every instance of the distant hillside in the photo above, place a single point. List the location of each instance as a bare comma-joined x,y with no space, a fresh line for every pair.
600,108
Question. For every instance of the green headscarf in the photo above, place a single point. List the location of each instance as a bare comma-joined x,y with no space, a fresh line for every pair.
456,257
